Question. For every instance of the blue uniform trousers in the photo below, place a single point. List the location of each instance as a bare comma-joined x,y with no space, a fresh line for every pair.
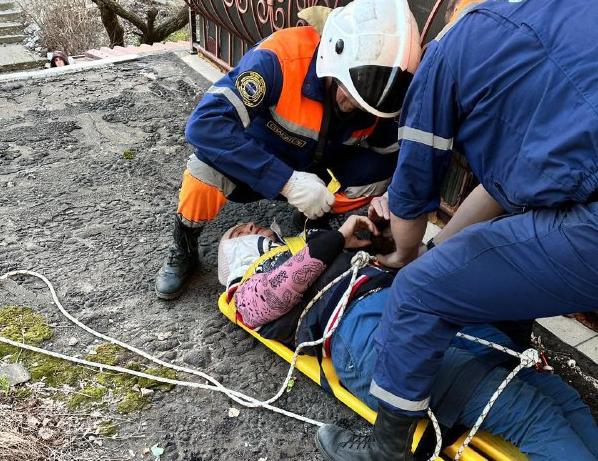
536,264
537,412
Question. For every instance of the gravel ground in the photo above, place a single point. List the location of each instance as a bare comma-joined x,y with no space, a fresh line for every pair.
98,224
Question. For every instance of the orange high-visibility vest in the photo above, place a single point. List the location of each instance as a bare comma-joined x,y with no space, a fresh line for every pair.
295,48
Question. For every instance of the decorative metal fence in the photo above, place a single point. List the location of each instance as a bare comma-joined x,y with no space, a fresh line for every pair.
223,30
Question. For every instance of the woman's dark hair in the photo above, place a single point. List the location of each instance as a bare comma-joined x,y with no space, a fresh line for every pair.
61,55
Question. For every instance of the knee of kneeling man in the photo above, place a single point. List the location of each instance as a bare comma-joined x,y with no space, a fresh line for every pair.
404,290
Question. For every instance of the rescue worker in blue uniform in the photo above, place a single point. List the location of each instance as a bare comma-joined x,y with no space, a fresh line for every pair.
295,107
513,86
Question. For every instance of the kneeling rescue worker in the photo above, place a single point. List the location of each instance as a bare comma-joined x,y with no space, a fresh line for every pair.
513,86
297,105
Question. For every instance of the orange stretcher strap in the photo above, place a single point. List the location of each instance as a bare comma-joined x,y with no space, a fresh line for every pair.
344,204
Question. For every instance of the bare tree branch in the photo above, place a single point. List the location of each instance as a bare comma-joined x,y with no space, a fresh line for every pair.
123,13
149,32
171,25
152,13
116,33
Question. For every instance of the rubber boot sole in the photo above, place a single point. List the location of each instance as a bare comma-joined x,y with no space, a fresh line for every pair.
170,296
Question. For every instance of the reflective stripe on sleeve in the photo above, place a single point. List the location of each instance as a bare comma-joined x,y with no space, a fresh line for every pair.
424,137
398,402
234,100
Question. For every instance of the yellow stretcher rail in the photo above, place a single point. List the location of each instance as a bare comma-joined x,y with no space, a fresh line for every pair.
483,447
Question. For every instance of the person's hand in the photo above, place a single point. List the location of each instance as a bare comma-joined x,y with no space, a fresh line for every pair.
378,210
308,193
395,261
355,224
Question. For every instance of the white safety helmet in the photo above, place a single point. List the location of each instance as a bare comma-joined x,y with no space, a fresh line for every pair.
372,47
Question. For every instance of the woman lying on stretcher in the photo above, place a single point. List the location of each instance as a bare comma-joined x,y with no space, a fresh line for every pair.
537,412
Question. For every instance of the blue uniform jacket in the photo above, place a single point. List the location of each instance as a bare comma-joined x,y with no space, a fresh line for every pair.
241,139
514,87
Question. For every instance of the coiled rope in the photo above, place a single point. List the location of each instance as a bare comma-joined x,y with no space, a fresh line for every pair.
527,359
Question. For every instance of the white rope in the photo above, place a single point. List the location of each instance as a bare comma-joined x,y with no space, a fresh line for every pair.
528,358
238,397
496,346
359,261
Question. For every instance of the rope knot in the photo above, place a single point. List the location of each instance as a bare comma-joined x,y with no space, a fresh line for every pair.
529,358
361,259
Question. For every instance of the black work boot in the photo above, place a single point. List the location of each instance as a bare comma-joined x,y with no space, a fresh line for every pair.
391,440
181,262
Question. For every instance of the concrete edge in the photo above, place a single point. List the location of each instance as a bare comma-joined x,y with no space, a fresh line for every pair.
200,65
72,69
579,337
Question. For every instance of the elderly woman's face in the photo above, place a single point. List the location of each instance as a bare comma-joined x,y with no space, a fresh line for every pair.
252,228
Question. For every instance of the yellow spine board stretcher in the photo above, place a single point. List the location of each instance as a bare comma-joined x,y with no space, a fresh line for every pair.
483,447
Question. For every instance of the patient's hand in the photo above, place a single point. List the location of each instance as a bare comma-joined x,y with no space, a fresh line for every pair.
378,210
356,224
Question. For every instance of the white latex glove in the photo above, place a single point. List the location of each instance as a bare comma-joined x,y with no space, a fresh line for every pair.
308,193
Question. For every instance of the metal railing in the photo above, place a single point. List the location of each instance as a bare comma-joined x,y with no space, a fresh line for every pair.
223,30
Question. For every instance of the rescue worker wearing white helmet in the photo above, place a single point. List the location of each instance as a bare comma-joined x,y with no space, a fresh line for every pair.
373,56
302,103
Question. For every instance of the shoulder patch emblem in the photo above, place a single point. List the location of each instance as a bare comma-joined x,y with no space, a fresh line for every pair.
252,88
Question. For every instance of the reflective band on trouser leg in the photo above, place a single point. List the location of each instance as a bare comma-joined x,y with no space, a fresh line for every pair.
344,204
396,401
198,202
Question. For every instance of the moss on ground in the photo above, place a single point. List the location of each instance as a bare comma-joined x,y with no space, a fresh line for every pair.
23,324
87,396
157,385
55,372
108,354
129,154
131,401
4,385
